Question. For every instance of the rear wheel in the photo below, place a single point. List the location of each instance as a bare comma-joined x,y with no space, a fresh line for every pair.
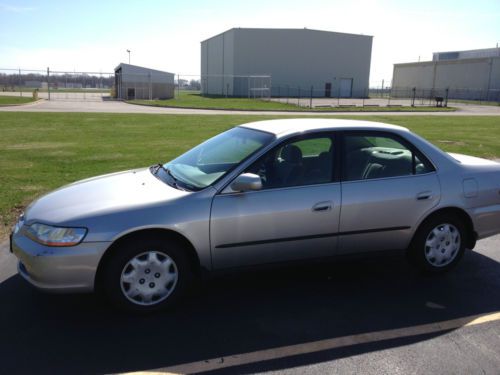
438,244
147,274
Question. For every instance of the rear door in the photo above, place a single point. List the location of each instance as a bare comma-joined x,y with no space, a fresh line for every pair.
387,186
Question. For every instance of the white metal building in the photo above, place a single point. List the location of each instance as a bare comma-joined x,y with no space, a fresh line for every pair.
136,82
241,60
471,74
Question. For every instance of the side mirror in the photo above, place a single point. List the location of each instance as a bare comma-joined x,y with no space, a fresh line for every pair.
246,182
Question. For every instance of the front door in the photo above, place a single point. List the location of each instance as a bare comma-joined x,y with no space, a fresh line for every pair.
387,187
328,89
295,215
131,93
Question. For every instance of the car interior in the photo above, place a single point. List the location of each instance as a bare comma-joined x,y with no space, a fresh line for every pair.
305,162
310,162
378,157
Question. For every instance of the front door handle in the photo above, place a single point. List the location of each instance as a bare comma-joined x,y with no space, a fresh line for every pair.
322,206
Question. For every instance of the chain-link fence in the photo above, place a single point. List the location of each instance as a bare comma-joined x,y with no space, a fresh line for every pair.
56,85
384,97
78,86
467,95
236,86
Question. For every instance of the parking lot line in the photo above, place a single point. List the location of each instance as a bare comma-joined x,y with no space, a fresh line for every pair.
322,345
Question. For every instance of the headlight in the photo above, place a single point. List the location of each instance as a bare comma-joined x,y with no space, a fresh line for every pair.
55,236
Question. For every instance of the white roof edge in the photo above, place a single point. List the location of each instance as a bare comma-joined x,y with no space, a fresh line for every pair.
282,127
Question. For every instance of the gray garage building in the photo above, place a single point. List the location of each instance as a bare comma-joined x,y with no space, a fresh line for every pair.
473,74
243,62
136,82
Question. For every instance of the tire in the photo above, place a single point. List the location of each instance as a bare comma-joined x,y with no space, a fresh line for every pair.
438,244
147,274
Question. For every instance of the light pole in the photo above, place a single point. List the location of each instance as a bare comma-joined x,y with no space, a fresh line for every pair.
128,51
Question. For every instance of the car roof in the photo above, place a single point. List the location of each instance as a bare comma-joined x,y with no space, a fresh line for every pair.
284,127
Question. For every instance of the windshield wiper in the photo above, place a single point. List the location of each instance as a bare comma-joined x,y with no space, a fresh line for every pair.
155,168
175,180
176,183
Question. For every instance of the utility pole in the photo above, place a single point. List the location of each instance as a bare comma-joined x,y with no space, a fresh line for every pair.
128,51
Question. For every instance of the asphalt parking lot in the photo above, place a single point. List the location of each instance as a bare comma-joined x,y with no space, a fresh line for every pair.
269,312
95,102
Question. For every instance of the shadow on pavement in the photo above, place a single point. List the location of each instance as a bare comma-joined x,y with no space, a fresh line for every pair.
42,333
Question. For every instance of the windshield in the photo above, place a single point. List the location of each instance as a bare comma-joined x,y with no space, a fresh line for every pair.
209,161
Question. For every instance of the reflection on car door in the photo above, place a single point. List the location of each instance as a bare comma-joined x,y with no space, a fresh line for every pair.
289,219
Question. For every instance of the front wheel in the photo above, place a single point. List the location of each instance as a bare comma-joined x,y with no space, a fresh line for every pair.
147,275
439,244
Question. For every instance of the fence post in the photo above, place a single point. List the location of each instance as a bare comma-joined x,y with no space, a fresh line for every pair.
287,93
150,87
311,98
20,91
446,97
48,82
414,90
298,98
178,86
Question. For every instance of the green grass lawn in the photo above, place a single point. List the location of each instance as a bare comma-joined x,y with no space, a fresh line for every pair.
42,151
9,100
189,99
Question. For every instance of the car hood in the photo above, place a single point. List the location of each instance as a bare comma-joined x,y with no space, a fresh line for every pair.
108,193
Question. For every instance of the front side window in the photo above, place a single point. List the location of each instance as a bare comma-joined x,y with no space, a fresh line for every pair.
380,156
297,162
211,160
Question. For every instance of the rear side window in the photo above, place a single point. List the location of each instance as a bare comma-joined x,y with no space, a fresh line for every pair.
371,156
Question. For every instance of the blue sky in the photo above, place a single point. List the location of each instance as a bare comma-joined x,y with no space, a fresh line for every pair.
94,35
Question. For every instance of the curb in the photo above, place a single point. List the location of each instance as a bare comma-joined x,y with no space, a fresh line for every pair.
283,110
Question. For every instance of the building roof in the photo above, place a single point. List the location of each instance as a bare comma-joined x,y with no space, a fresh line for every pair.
286,29
472,53
288,126
137,68
447,62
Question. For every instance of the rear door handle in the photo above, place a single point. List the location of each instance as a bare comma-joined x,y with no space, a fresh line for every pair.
424,195
322,206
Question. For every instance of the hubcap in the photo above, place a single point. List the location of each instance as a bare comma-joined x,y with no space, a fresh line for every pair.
149,278
442,245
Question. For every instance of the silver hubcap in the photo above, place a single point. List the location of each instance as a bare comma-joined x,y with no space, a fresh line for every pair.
149,278
442,245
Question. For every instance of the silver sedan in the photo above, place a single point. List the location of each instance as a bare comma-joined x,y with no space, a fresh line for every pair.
260,193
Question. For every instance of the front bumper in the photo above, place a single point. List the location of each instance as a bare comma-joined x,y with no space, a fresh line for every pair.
58,269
